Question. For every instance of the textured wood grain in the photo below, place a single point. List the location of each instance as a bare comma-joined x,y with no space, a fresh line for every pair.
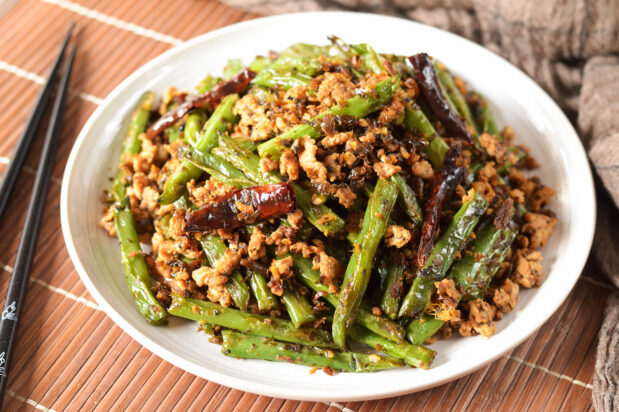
71,356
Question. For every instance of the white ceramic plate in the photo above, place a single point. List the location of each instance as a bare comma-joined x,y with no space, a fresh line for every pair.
515,99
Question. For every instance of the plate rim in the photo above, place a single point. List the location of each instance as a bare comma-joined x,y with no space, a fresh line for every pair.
257,387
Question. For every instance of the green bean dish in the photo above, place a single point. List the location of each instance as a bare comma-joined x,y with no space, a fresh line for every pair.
327,206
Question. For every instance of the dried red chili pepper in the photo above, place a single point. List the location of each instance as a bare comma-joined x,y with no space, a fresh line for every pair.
427,81
236,84
255,266
328,124
504,213
443,186
243,207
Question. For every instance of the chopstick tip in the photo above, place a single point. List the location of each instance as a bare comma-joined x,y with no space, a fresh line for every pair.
67,37
71,27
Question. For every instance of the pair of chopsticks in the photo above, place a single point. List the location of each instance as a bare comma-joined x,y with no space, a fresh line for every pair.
25,252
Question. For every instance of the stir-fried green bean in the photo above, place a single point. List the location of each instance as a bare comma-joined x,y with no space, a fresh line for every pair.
378,113
357,106
217,167
323,218
377,324
471,274
360,266
483,116
132,143
443,253
265,299
417,123
369,58
390,273
408,200
297,306
132,258
214,248
253,347
217,123
454,94
413,355
271,78
207,84
136,271
193,125
250,323
233,67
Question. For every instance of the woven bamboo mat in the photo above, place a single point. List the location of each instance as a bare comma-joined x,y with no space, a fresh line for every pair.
70,356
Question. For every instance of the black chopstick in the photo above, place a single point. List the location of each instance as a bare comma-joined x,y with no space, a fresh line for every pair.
32,124
25,252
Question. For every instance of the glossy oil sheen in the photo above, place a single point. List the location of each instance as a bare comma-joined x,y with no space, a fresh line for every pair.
514,98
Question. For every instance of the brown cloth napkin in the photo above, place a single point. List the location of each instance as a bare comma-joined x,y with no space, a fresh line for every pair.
571,48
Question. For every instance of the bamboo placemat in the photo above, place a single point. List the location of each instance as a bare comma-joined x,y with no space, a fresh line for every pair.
71,356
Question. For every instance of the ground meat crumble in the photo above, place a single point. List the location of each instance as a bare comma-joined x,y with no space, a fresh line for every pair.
337,168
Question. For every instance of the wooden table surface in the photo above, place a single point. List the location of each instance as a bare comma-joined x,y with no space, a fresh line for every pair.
69,355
